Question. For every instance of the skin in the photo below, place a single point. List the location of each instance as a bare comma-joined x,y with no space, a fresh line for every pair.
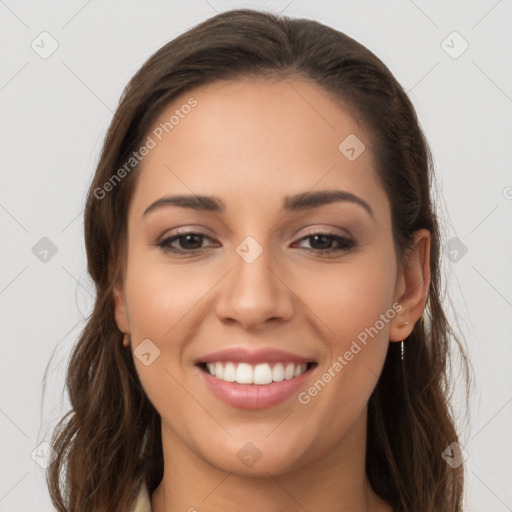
251,143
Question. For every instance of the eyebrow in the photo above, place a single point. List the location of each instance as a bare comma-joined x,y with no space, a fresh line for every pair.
298,202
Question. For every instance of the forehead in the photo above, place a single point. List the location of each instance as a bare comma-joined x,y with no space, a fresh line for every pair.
252,139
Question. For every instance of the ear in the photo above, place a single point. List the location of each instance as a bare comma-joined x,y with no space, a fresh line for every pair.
412,286
120,310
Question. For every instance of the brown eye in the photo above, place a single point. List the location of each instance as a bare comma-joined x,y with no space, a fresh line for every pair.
188,243
322,243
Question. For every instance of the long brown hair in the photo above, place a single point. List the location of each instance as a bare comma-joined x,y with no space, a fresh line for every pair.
109,443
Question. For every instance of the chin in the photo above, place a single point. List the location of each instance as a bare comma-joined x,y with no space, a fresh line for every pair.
260,457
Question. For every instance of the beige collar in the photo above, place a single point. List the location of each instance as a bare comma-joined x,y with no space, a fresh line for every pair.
143,503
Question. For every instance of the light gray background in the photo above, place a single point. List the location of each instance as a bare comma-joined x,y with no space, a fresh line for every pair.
54,114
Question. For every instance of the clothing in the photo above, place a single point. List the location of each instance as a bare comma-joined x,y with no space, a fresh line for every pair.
143,503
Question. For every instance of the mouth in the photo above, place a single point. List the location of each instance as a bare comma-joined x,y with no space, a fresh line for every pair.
254,380
260,374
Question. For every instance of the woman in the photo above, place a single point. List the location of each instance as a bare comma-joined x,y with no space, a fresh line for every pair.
268,332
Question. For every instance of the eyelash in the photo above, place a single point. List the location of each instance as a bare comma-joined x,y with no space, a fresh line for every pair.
345,243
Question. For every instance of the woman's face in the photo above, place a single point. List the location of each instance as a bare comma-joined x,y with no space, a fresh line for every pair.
251,292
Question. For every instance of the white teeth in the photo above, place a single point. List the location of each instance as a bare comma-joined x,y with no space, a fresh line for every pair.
288,371
260,374
278,372
243,373
229,372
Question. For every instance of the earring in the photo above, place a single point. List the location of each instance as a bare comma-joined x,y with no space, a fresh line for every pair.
126,340
402,324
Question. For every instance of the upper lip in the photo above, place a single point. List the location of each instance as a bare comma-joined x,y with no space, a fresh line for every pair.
242,355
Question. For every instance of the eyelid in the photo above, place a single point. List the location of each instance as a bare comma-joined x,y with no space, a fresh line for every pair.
183,232
327,231
187,229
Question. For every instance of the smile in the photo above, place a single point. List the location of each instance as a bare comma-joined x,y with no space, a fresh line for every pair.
260,374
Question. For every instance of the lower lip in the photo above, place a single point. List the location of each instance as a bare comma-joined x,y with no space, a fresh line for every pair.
254,396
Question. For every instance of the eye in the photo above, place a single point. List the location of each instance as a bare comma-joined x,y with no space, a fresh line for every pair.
189,242
322,243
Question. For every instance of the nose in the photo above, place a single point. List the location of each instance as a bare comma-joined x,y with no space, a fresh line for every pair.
255,292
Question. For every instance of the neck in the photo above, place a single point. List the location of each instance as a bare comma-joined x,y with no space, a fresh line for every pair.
335,481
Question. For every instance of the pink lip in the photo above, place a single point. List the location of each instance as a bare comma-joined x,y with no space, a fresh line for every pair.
254,396
241,355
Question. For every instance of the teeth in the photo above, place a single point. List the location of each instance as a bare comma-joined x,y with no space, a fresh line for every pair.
243,373
229,372
219,370
278,373
261,374
288,371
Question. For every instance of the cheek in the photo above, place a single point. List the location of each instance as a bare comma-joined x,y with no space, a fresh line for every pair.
352,298
354,304
161,295
159,298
